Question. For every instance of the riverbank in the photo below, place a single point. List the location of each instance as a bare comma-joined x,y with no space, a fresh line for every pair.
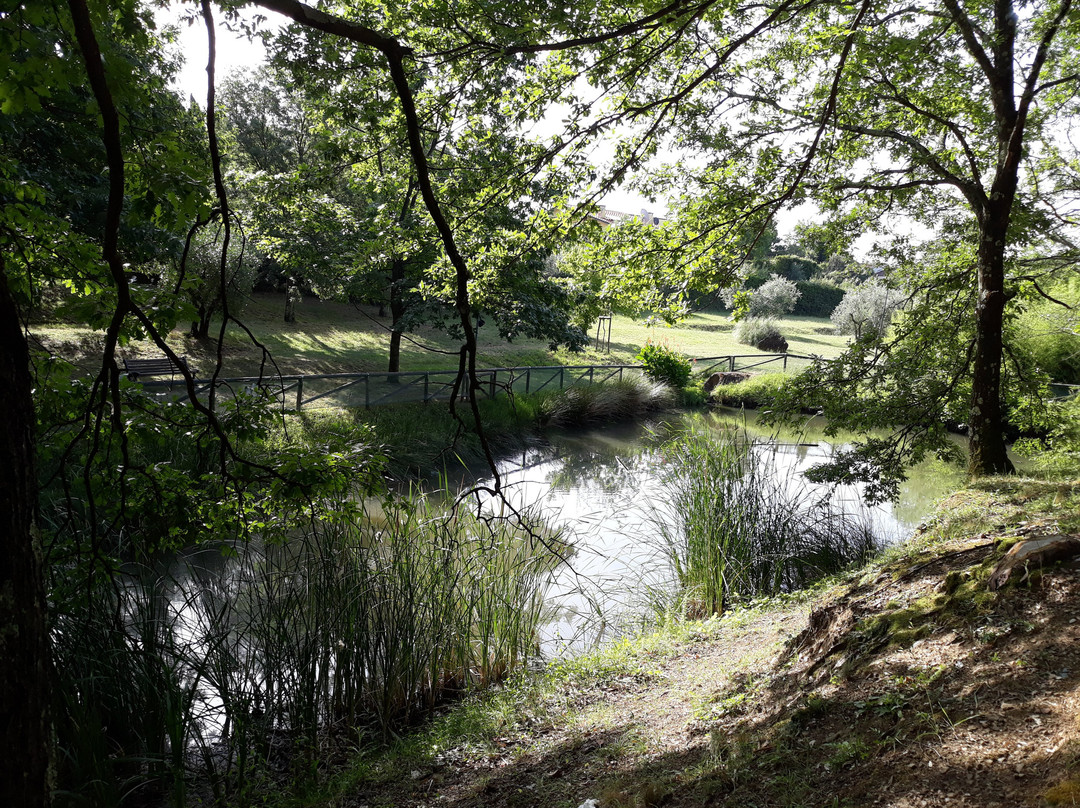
905,683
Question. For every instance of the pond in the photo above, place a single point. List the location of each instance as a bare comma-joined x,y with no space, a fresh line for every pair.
604,489
374,622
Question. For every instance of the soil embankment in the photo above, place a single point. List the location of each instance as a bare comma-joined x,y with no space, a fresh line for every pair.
909,684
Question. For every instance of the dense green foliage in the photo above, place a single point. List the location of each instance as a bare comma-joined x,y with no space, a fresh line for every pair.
665,364
756,331
1046,333
817,298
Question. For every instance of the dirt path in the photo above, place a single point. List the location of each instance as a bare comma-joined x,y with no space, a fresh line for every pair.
915,687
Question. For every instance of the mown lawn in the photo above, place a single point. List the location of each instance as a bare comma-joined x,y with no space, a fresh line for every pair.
331,337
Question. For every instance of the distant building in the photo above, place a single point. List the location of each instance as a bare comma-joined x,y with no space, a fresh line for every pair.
606,217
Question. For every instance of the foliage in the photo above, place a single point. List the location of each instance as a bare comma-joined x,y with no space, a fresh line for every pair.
1048,334
756,330
793,267
817,298
774,298
867,310
664,364
203,282
757,391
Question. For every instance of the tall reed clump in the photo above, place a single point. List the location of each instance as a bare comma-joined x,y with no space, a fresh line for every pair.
632,396
733,525
212,681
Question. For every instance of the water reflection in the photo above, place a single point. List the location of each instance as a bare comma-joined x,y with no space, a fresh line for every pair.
603,486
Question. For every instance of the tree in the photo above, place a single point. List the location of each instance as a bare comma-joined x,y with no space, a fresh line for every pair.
931,109
774,298
871,108
867,310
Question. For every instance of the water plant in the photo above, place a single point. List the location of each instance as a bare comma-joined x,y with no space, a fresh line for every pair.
735,525
631,396
222,673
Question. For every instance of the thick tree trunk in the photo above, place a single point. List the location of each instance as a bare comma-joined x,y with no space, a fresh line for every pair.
25,736
986,447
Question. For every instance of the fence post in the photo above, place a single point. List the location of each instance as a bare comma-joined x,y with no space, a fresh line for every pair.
592,370
299,393
426,380
731,364
785,361
562,376
367,392
491,383
528,375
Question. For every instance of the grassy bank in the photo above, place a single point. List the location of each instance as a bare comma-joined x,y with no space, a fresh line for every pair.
330,337
424,440
903,683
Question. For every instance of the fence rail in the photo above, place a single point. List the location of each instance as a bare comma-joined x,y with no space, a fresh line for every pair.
373,388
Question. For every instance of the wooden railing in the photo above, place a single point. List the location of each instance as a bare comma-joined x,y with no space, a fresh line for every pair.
373,388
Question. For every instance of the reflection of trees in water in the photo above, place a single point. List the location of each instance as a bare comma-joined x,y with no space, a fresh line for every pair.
604,461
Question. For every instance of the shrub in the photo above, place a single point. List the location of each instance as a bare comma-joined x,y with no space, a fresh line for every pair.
756,331
757,391
794,267
664,365
817,298
632,396
867,310
774,298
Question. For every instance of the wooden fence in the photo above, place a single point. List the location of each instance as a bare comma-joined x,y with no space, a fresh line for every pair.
372,389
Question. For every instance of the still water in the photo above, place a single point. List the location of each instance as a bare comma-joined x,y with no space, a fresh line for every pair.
603,488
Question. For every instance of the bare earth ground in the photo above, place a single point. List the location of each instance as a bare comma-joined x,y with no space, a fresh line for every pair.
911,686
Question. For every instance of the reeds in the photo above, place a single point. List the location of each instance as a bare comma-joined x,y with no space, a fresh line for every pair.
632,396
733,525
218,678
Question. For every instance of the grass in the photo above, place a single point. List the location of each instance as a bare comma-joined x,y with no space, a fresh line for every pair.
735,527
332,337
220,678
425,440
757,391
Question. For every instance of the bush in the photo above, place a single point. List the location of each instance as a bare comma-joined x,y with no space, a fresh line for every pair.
757,331
633,396
757,391
867,311
664,365
817,298
794,267
774,298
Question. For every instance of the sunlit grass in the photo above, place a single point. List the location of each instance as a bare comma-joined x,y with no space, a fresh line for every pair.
332,337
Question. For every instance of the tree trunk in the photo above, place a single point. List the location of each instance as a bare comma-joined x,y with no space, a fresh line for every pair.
986,447
397,312
25,736
200,329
